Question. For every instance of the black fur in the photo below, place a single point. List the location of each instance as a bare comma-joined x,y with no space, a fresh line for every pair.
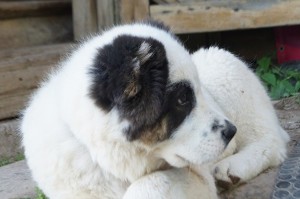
136,84
174,111
114,74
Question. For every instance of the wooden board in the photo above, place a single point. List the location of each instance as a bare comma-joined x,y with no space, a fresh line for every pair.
33,31
9,139
91,16
132,10
221,15
21,71
84,18
18,9
105,13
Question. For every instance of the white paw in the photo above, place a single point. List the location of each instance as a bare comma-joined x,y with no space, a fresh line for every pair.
230,171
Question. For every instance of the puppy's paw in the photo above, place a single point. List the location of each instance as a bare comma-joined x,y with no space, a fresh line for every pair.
228,173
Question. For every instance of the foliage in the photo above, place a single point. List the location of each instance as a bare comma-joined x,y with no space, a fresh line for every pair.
280,81
5,161
40,194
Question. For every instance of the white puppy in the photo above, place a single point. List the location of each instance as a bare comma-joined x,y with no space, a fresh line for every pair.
125,104
260,141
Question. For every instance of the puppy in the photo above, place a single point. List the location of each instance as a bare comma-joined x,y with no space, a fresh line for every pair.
260,141
124,116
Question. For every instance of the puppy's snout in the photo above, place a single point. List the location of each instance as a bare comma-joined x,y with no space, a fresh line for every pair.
228,132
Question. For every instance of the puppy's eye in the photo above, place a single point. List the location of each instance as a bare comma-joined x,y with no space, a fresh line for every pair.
182,99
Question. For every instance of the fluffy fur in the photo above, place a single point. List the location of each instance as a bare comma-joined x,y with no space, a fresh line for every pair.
126,116
260,141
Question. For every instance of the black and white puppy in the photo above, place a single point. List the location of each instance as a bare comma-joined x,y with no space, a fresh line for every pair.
127,112
123,105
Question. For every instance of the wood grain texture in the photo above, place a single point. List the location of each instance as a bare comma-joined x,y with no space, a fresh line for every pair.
84,18
132,10
33,31
20,72
9,139
18,9
206,16
105,13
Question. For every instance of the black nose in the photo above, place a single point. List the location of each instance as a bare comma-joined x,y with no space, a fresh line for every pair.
228,132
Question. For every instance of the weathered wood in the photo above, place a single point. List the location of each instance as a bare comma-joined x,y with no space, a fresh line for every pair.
105,12
219,15
32,31
18,9
20,73
133,10
165,1
10,139
84,18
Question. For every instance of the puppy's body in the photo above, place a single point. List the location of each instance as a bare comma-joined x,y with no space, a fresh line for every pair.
128,103
260,141
125,104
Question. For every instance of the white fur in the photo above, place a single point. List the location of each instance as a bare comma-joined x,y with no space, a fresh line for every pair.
174,183
260,141
76,150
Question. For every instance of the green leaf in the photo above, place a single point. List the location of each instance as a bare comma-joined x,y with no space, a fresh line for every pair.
277,91
264,63
276,70
279,81
40,194
269,78
288,86
297,86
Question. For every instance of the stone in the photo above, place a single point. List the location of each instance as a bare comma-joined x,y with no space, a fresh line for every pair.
16,181
9,139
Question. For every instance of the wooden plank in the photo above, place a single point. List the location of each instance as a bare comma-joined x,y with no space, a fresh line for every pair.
105,12
84,18
205,17
9,139
132,10
165,1
33,31
20,73
18,9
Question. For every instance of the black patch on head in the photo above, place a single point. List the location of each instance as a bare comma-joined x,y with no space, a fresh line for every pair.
179,103
131,75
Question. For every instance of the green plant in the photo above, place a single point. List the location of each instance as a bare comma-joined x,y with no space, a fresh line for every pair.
8,160
280,82
40,194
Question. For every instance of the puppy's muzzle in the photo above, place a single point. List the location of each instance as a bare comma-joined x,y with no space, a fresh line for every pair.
228,132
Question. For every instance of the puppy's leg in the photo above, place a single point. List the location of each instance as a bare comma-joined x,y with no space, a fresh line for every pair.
249,162
260,141
173,184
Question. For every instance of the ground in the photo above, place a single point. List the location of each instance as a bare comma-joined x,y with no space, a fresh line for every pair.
261,187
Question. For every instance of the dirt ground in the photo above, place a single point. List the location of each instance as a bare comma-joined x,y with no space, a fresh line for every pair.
261,187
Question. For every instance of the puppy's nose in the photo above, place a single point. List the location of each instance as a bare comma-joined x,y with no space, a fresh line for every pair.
228,132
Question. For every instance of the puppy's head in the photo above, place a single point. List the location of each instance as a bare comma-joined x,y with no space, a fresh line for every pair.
148,77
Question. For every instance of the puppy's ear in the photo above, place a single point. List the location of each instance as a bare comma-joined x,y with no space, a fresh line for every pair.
131,75
134,85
